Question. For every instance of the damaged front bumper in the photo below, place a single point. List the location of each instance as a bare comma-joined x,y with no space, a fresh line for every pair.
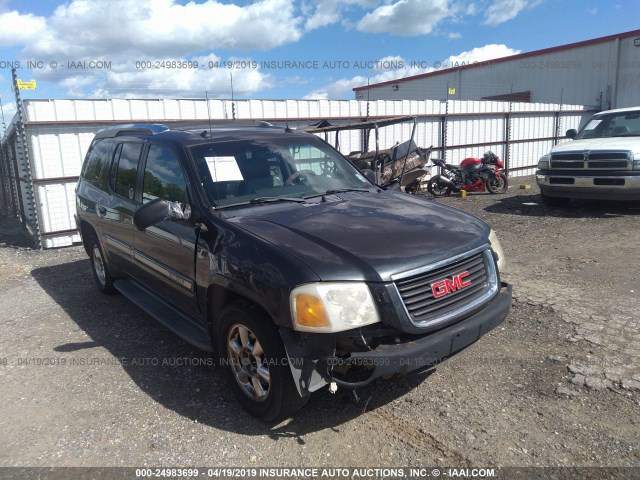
312,357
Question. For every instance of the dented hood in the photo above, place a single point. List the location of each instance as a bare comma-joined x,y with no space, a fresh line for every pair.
365,235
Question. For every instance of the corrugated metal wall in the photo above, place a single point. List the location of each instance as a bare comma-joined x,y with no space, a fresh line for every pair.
59,133
603,75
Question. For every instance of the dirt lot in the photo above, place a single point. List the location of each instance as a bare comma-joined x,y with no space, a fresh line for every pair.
89,380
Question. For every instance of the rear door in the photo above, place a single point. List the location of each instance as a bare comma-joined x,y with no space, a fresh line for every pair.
165,252
115,209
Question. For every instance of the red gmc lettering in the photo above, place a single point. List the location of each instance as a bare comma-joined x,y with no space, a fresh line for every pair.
443,287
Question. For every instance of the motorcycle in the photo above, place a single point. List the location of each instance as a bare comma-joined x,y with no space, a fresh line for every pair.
473,175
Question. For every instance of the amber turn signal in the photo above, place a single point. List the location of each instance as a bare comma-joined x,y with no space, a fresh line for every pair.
310,311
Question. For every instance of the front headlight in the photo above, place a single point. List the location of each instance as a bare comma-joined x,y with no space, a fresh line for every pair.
332,307
543,163
636,161
495,245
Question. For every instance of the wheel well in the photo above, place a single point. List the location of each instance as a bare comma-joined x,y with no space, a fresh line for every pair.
218,298
87,232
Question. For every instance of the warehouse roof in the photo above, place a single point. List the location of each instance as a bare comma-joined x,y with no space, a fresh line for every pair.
503,59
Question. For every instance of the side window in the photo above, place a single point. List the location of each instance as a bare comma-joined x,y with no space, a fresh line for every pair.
126,169
163,176
96,159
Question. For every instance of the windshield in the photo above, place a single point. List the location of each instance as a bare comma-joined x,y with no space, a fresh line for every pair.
269,168
621,124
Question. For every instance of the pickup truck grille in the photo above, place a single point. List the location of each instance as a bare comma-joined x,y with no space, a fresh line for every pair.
417,291
594,160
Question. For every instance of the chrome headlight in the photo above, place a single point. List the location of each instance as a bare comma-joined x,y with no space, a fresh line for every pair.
543,163
327,307
636,161
497,248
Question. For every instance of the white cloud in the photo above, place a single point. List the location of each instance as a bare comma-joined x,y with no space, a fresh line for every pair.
481,54
17,28
125,31
454,35
343,88
326,13
501,11
84,28
471,9
407,17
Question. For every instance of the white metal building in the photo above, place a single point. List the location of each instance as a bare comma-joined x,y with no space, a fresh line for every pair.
602,73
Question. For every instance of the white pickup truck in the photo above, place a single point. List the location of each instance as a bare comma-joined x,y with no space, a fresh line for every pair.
602,161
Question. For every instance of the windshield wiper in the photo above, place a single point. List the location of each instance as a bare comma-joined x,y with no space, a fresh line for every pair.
343,190
276,199
333,191
260,200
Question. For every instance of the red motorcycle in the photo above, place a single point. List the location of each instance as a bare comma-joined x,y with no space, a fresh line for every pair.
473,175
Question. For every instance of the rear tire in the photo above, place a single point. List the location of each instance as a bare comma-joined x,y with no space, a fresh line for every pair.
554,201
100,268
257,364
437,188
497,183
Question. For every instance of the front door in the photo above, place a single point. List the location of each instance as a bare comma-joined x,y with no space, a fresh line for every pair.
165,252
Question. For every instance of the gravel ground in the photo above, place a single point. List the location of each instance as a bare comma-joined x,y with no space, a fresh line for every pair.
90,380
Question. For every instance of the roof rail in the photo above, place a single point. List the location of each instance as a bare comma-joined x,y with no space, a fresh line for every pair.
132,129
215,124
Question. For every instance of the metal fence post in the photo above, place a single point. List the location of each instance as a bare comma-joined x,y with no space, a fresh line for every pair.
507,139
31,209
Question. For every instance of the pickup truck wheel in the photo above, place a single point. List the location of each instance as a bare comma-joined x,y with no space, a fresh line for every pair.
554,201
100,269
251,348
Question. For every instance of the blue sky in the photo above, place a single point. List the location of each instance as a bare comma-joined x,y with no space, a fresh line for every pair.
98,49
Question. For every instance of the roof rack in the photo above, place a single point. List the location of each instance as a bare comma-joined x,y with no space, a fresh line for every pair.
132,129
223,124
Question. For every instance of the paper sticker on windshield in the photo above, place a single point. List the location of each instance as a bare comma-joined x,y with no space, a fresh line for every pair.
592,124
224,169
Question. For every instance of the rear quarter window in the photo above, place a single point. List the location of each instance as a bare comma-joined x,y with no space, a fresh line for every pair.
96,161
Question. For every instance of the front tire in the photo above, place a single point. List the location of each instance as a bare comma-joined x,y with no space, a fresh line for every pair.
258,369
100,268
438,188
497,183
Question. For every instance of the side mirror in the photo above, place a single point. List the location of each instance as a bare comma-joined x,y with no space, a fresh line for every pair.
158,210
370,174
571,133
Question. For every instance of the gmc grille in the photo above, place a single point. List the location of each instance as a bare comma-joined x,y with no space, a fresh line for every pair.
419,300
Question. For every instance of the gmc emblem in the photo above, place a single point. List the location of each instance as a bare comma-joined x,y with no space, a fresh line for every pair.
446,286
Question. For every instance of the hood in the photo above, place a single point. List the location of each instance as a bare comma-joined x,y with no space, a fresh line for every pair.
365,235
610,143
